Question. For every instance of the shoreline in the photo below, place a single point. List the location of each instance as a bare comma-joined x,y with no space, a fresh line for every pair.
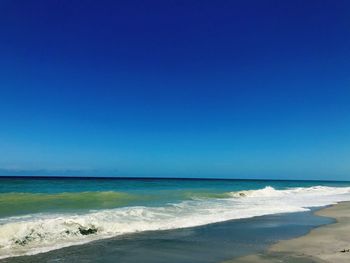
246,236
328,243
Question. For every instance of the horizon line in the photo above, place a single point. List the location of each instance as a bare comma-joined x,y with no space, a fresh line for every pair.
158,178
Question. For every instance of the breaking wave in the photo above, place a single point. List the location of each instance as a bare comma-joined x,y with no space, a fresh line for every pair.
35,233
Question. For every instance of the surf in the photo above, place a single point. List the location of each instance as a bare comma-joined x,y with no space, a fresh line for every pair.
41,232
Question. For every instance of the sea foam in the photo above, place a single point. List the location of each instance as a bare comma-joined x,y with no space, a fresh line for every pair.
31,234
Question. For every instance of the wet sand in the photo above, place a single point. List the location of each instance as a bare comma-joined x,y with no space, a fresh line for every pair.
330,243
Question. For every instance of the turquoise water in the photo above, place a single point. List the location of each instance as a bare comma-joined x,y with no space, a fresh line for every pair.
28,195
44,214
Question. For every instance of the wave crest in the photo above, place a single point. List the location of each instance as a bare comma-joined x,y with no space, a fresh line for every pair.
36,233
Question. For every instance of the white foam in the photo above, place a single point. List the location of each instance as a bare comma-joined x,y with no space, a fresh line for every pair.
25,235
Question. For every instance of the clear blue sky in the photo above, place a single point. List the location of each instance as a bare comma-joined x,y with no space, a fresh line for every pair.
241,89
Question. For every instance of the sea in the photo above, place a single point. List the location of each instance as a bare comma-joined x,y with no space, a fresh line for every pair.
67,219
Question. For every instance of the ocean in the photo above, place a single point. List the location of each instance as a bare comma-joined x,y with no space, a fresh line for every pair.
45,214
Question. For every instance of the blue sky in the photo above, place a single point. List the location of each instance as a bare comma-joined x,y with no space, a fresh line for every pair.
229,89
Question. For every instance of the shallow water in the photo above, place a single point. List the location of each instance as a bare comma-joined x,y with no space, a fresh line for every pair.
39,215
39,195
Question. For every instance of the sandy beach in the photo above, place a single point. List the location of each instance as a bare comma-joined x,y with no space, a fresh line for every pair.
225,222
211,243
330,243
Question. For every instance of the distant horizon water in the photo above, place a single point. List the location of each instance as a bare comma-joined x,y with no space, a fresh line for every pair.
164,178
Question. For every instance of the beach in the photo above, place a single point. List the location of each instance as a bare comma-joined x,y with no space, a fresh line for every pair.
330,243
159,220
211,243
304,237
